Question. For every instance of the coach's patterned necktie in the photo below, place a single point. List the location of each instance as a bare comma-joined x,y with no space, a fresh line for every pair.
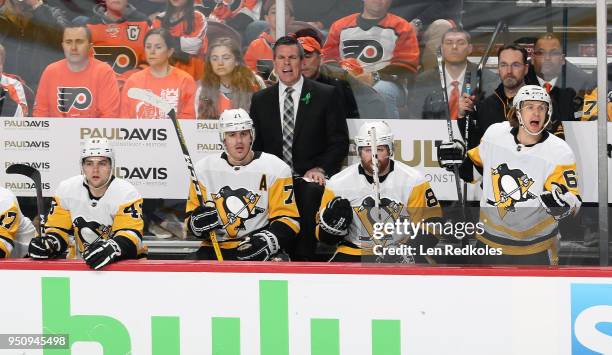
453,101
288,126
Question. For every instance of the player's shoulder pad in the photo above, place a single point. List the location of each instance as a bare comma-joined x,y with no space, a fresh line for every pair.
344,177
275,165
70,186
122,191
409,174
560,151
496,130
7,199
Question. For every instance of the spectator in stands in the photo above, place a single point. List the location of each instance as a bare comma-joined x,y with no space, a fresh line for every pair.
427,99
118,30
261,48
360,100
188,27
512,67
431,19
170,83
79,85
565,82
237,14
31,33
384,44
227,83
322,13
13,99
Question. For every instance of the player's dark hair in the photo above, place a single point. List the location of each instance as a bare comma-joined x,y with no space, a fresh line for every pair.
288,41
74,25
514,47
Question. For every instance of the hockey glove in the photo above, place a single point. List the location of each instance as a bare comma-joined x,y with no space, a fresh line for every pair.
101,253
451,154
258,247
45,247
336,217
204,219
559,202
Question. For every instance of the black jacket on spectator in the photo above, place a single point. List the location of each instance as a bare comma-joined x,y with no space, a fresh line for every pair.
493,109
426,99
569,99
34,45
333,77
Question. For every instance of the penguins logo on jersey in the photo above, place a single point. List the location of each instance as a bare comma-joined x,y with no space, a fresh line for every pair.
509,187
235,207
68,97
389,210
121,59
365,50
88,232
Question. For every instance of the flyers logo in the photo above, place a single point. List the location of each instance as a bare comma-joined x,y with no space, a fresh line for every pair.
366,51
121,59
67,98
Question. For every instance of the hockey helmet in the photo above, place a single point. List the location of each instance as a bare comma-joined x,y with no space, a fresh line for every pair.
235,120
98,147
383,135
532,93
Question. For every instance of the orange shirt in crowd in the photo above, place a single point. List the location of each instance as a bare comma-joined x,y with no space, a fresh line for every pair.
195,44
120,45
260,48
177,88
92,92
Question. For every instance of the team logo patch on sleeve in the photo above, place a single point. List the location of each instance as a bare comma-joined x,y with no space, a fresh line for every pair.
235,207
68,97
365,50
133,31
509,187
390,212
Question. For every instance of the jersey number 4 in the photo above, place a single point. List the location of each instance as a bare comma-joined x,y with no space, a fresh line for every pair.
134,210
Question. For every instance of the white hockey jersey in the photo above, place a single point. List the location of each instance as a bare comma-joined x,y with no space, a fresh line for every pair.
405,195
513,177
75,214
247,197
16,230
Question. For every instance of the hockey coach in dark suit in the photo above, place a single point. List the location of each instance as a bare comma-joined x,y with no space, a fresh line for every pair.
302,122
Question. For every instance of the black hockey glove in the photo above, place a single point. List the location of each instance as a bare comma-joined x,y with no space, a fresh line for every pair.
45,247
336,217
258,247
101,253
451,154
204,219
559,202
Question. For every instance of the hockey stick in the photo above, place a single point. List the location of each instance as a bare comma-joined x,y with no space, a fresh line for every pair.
152,99
375,177
32,173
449,124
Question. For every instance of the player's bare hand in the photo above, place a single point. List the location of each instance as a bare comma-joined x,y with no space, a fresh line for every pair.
315,175
466,103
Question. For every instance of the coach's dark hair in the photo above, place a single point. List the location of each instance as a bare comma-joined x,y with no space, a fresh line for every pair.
74,25
288,41
514,47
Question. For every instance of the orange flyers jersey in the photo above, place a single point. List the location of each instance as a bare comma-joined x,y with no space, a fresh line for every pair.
120,45
177,88
194,43
260,48
90,93
14,88
392,40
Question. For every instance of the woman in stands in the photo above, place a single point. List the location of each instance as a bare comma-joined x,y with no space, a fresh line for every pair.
170,83
188,27
227,83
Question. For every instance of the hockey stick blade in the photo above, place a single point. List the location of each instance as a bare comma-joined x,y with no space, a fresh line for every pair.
151,98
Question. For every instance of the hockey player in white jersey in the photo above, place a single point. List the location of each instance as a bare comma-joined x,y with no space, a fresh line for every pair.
250,200
529,182
99,212
348,217
16,230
